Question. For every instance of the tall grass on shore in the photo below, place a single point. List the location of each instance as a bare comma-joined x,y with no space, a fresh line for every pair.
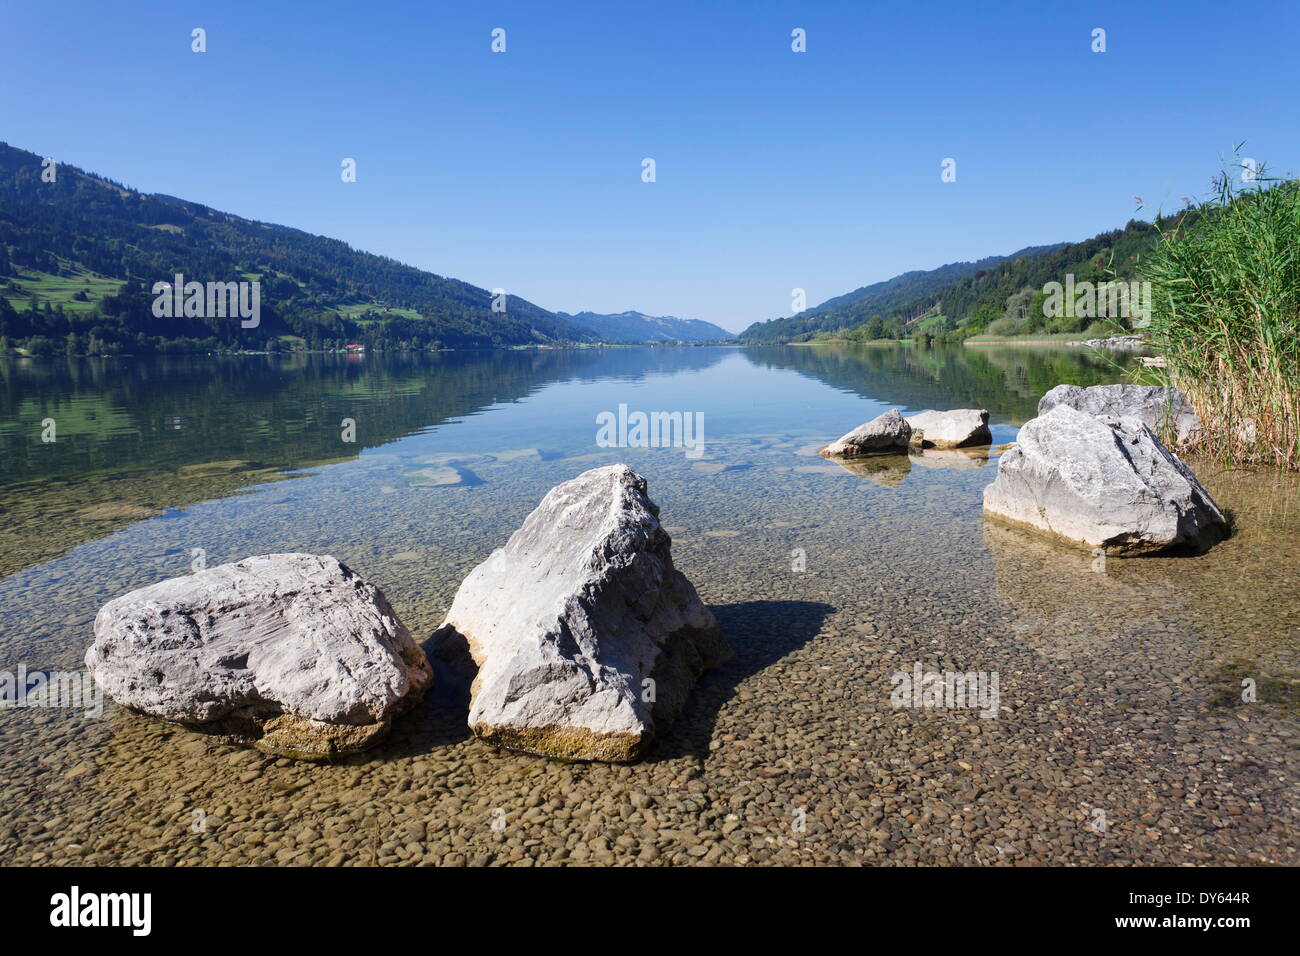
1225,313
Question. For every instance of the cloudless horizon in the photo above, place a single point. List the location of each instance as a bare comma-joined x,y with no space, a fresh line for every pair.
775,170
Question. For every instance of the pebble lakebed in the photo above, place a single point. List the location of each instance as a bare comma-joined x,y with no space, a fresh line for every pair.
1118,687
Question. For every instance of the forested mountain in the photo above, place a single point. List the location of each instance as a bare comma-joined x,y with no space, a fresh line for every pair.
79,257
1001,294
896,297
638,327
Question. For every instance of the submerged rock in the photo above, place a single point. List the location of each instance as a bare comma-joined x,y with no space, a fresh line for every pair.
888,471
291,653
529,455
887,433
950,458
957,428
1103,483
210,468
586,638
440,476
117,511
1164,409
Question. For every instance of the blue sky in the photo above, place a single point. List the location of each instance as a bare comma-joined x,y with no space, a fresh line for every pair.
775,169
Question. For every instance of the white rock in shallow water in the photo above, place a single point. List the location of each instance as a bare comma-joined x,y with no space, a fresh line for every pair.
586,638
956,428
292,653
887,433
1164,409
1102,483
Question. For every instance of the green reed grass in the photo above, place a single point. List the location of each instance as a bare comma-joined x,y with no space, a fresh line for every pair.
1225,313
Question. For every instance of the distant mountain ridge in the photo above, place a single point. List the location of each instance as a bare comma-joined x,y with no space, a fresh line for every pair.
633,326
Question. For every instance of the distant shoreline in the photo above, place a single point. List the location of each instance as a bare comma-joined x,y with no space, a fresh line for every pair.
1065,341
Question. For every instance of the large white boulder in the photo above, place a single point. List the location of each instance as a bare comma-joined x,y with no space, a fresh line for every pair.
885,434
1164,409
291,653
1102,483
956,428
586,638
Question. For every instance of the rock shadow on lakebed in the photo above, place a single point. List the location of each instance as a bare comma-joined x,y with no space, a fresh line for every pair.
436,723
759,633
439,721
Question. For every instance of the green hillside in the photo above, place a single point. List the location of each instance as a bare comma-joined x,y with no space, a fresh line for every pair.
79,257
1001,295
896,297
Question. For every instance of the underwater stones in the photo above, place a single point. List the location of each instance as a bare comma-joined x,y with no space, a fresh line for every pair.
887,433
715,467
294,654
1068,604
1102,483
956,428
1164,409
586,638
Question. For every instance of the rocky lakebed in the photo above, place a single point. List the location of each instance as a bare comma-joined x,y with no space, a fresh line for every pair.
561,664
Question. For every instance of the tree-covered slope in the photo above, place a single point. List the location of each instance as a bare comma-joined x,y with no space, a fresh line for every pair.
79,256
915,290
970,296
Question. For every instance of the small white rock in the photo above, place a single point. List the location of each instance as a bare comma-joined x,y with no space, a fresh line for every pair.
885,433
956,428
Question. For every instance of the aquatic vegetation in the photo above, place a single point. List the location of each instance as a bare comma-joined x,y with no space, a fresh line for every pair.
1226,317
